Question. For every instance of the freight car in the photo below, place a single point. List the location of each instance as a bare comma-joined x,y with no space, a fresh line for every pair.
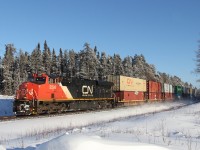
128,90
54,94
135,90
178,92
48,94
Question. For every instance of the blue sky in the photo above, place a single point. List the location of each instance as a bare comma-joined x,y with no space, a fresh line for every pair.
166,32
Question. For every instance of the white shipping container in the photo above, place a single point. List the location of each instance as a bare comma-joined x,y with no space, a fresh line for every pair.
123,83
166,88
170,89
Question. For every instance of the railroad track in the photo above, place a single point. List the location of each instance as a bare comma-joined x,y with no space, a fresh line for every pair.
11,118
4,118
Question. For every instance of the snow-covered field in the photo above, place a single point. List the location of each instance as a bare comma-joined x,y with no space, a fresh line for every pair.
139,127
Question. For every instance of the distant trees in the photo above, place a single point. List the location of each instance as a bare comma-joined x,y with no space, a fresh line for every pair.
9,69
88,63
197,70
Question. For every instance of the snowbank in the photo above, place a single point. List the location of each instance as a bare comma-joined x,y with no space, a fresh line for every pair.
94,142
2,148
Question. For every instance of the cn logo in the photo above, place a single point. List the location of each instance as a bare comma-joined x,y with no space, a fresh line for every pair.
87,90
129,81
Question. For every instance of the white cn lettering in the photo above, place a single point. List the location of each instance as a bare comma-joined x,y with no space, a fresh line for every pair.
87,90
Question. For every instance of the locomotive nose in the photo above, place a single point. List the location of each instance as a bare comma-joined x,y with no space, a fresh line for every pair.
22,92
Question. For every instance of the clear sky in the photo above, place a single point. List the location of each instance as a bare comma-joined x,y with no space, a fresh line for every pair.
166,32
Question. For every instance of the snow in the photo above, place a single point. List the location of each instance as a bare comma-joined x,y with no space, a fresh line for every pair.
148,126
91,143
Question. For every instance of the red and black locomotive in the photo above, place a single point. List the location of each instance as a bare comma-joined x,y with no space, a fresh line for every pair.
48,94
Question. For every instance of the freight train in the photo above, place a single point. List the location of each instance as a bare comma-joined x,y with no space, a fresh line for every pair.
54,94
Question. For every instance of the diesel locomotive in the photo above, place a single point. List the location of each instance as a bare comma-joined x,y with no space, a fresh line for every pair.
48,94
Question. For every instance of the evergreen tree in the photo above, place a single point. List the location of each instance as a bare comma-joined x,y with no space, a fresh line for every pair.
37,60
16,73
127,65
77,65
24,65
150,72
197,70
1,76
54,64
60,62
46,58
88,63
65,72
110,66
164,78
138,66
73,63
8,66
103,69
119,70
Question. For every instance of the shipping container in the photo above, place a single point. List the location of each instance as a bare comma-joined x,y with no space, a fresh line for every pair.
191,91
166,88
173,89
186,93
194,93
130,96
154,91
186,90
123,83
178,92
170,88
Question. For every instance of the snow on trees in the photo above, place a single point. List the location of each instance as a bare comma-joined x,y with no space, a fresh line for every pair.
87,63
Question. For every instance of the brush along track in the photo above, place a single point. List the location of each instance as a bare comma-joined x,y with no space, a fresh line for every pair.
13,118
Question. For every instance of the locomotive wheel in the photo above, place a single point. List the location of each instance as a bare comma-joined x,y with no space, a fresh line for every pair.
62,108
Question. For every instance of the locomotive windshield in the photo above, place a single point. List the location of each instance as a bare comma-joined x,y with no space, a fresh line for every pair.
37,80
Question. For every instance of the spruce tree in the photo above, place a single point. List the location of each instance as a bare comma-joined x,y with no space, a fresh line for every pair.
1,76
46,58
88,63
54,64
60,61
37,60
73,63
127,65
119,70
197,70
103,69
8,66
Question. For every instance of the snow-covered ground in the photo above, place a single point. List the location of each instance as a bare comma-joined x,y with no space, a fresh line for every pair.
140,127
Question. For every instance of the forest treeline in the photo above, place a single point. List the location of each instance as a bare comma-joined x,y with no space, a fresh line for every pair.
88,63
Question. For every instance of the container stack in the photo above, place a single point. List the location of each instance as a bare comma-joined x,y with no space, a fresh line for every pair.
128,89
